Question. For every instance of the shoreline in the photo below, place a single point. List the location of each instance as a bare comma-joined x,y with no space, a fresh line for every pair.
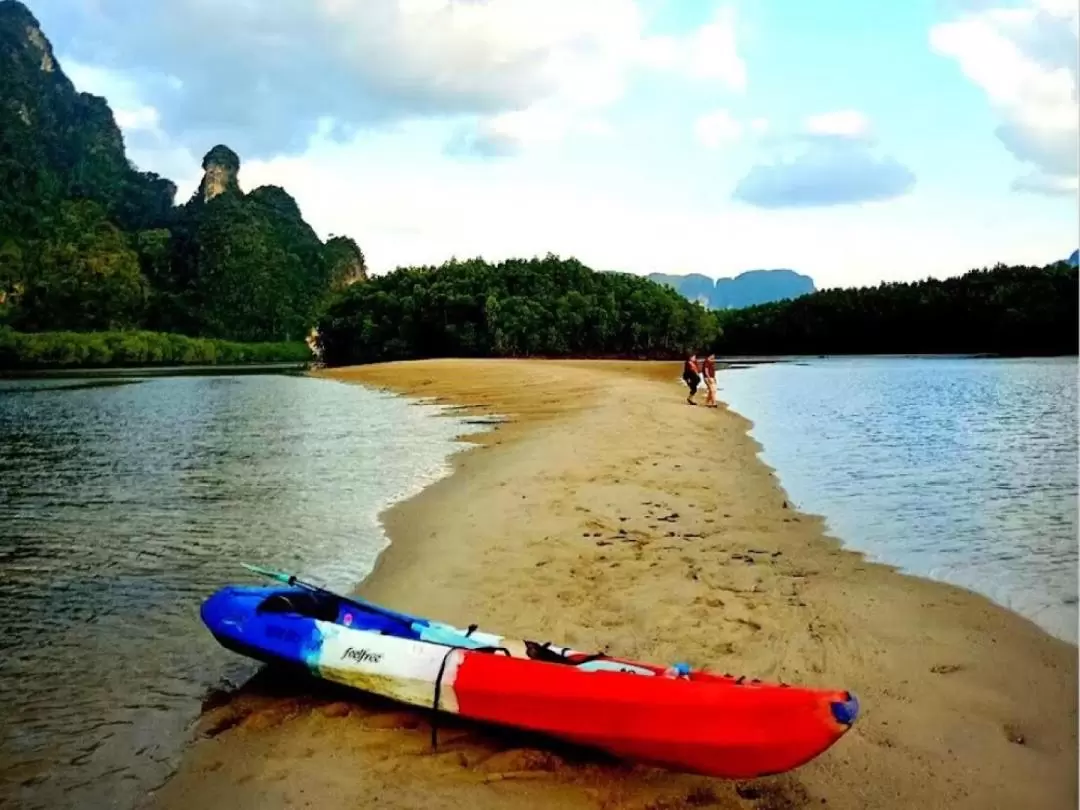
888,557
540,530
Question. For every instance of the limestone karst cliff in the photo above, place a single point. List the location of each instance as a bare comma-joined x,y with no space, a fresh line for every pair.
347,264
87,242
221,169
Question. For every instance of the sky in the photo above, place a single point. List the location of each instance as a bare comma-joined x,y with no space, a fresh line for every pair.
856,142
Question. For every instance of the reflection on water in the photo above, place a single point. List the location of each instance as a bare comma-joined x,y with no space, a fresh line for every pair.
963,470
123,506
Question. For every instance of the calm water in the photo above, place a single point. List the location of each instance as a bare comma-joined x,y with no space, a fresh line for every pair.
122,505
963,470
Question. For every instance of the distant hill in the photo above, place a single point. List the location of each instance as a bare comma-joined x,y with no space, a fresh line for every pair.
746,289
1074,260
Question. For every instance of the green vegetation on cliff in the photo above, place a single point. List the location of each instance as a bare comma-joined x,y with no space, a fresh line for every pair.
83,274
89,243
1004,310
244,267
58,144
518,308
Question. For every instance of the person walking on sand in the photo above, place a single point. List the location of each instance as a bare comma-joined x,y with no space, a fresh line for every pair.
691,377
708,371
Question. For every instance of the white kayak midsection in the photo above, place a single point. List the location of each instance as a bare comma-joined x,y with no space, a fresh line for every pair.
407,670
398,668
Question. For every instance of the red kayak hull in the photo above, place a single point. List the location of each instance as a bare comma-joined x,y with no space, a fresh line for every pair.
705,724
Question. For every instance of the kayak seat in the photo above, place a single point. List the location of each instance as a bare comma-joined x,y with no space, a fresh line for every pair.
543,652
307,605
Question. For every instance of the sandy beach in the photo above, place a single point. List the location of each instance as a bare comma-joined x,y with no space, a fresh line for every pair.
608,514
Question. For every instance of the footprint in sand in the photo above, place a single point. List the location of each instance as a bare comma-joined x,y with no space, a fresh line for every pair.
946,669
1014,735
335,710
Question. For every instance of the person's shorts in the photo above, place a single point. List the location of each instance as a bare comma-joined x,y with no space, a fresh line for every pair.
692,380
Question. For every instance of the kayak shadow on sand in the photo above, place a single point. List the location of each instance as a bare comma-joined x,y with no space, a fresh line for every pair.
276,694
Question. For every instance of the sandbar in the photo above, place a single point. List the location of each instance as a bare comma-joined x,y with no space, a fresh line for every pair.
608,514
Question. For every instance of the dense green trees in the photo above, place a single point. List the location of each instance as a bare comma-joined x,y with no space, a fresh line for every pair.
537,307
1004,310
85,275
557,307
244,267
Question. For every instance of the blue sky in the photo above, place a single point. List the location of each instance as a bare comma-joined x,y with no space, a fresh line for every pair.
857,142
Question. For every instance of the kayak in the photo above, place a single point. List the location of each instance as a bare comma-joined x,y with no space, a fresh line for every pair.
669,716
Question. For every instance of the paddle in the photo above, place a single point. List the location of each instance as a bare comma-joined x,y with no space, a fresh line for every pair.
292,580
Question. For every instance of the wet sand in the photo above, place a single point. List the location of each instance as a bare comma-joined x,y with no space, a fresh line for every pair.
610,515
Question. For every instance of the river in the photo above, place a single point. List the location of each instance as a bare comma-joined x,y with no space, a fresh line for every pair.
958,469
123,503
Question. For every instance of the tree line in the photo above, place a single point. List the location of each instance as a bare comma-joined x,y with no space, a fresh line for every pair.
1001,310
555,307
549,307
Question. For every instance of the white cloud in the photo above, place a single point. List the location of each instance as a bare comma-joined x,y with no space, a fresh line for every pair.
597,127
511,132
1024,59
1060,8
121,93
138,118
760,125
717,129
829,160
707,54
840,123
261,76
710,53
827,173
1047,184
531,125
